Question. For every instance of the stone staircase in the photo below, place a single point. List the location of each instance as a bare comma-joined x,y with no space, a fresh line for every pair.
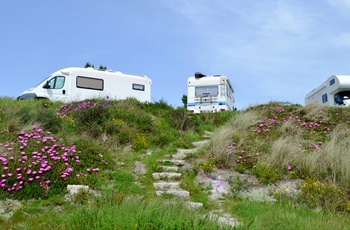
169,181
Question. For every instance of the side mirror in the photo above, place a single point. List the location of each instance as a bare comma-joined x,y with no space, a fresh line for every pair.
47,85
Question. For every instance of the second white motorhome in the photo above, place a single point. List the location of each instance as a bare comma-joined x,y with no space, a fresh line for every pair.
76,84
209,93
335,91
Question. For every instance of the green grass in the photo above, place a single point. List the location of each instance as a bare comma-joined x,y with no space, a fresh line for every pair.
103,139
257,215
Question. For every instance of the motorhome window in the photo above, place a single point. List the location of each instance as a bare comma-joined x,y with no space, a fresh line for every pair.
229,92
138,87
89,83
203,91
324,98
57,82
331,82
338,99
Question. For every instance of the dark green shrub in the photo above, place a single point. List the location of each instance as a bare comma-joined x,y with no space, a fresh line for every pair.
181,120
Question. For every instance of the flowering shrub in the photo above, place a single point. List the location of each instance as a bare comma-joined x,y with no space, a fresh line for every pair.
39,161
208,166
318,194
84,112
139,142
304,129
244,160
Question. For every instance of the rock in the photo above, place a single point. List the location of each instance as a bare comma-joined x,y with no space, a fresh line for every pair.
74,189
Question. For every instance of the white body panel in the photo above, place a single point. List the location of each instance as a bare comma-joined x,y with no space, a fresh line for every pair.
76,84
335,91
210,94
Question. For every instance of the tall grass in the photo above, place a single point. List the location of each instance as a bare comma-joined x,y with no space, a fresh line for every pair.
333,161
136,214
229,137
257,215
110,212
275,142
104,139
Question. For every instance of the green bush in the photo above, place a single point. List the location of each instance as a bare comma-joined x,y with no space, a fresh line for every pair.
267,173
317,194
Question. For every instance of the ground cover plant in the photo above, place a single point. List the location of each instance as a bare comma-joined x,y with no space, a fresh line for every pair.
47,145
275,142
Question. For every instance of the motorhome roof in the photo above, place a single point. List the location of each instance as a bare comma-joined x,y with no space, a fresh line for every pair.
90,70
344,82
213,79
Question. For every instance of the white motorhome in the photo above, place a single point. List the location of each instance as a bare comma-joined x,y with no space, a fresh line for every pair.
335,91
76,84
209,93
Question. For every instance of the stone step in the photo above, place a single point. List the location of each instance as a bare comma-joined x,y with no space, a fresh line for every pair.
170,168
173,161
207,134
167,185
192,204
200,144
166,175
175,192
186,151
224,219
179,156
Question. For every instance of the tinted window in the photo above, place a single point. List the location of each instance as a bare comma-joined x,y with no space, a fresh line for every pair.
203,91
138,87
324,98
57,82
89,83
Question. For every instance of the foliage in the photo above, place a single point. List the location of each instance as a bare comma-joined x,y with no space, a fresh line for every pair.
208,165
267,173
81,197
318,194
96,143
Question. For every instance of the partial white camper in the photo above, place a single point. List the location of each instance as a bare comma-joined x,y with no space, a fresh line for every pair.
209,93
335,91
76,84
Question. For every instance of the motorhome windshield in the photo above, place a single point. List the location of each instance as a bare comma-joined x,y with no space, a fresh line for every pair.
43,80
342,98
206,91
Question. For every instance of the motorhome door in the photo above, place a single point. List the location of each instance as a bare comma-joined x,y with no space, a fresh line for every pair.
56,88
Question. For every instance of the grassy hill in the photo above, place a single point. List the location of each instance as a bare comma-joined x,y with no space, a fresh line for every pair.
46,146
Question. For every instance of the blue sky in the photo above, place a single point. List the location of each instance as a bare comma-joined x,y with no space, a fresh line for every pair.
270,49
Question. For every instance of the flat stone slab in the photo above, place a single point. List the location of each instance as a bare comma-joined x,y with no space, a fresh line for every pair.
166,185
224,219
166,175
170,168
179,156
173,161
175,192
200,144
191,204
74,189
185,151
